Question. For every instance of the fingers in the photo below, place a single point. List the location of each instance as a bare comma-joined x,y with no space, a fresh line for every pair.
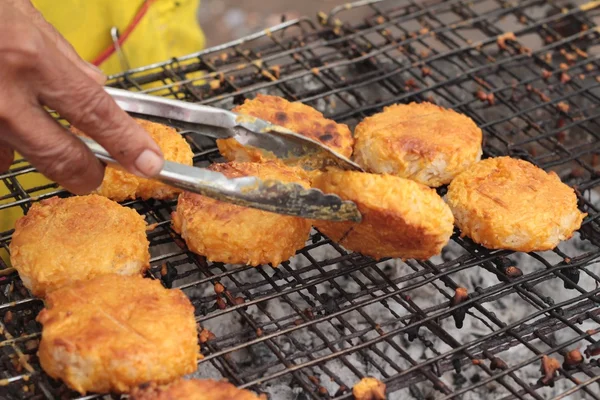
88,107
7,156
55,152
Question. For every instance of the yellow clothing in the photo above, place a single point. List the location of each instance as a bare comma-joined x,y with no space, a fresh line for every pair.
168,29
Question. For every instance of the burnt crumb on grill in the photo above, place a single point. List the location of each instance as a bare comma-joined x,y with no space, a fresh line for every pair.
323,391
414,331
513,272
458,380
549,39
476,361
546,74
502,39
460,296
573,275
314,379
564,77
572,359
221,305
259,332
238,300
425,71
205,335
570,57
309,313
563,66
424,53
549,368
410,84
341,390
544,97
8,317
219,288
593,349
563,107
589,67
481,95
497,363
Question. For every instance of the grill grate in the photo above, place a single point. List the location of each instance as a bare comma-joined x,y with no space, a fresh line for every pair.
315,325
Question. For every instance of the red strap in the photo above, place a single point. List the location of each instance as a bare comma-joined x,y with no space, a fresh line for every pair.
134,22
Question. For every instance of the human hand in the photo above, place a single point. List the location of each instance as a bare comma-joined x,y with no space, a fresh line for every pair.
38,68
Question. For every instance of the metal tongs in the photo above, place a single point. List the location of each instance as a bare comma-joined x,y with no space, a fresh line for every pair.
274,196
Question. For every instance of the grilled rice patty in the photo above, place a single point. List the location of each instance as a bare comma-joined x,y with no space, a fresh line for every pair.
115,332
297,117
60,241
505,203
400,218
419,141
228,233
119,185
193,389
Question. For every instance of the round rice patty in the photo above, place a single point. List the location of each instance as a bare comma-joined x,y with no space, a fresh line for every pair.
61,241
119,185
113,333
400,218
505,203
228,233
296,117
193,389
418,141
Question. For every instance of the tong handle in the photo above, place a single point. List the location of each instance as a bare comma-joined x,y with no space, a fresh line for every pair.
179,175
208,121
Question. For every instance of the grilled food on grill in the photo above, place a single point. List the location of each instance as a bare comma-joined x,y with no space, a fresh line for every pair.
116,332
120,185
419,141
369,388
296,117
504,203
401,218
233,234
193,389
61,241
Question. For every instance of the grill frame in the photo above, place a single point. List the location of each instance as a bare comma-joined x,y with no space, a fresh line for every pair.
324,52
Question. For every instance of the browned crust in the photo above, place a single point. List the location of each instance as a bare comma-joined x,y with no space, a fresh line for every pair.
500,198
115,332
119,185
60,241
194,389
295,116
401,218
407,139
233,234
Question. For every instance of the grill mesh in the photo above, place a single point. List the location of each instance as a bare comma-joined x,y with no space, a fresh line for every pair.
315,325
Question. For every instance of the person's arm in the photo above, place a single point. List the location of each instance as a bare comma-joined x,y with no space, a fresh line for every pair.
39,68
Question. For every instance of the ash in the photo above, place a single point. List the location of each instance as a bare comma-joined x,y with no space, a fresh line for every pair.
304,345
307,344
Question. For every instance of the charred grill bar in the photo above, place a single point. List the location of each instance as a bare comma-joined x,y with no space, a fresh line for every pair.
527,72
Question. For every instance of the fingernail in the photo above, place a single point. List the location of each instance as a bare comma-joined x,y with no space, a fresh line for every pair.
149,163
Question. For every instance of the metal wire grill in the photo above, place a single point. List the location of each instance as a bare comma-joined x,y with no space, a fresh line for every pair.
527,72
